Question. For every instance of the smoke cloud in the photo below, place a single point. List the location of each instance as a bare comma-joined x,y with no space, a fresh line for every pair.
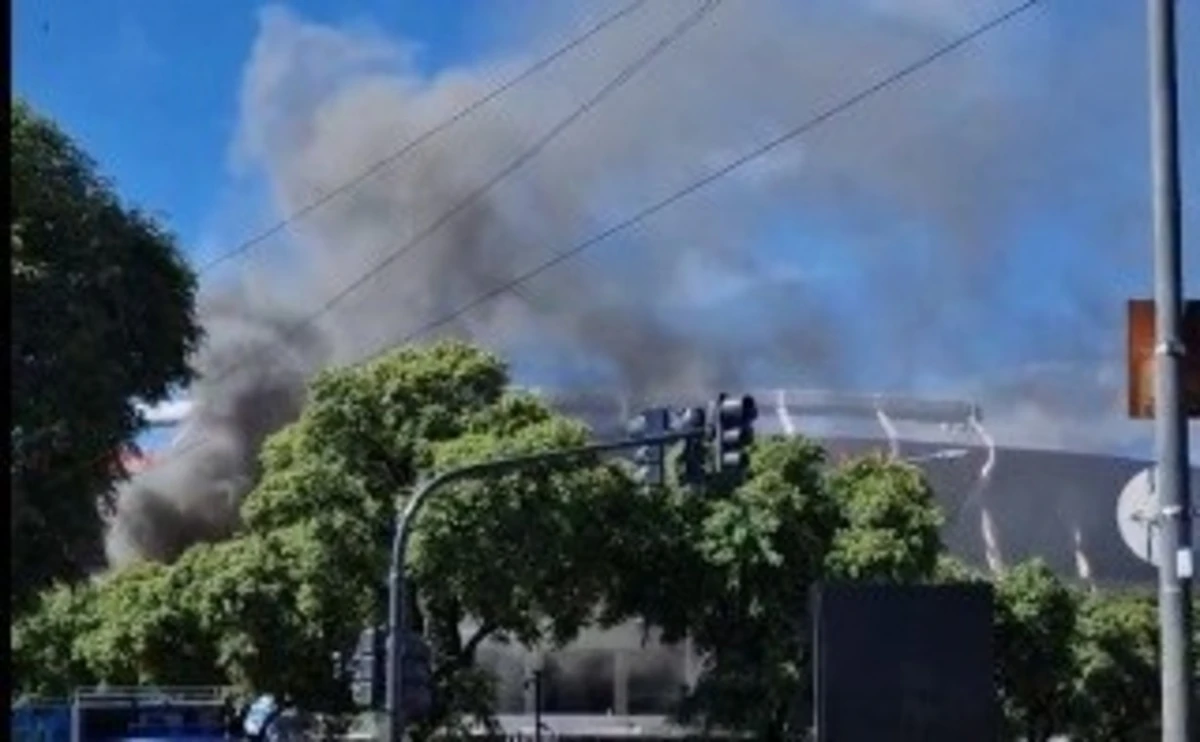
953,232
194,494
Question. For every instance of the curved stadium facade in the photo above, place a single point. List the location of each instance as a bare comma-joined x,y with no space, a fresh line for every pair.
1003,504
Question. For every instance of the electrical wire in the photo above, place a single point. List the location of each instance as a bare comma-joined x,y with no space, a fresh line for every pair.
626,74
616,83
665,202
623,77
399,153
720,172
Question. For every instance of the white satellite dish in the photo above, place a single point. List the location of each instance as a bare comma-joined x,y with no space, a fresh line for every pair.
1137,514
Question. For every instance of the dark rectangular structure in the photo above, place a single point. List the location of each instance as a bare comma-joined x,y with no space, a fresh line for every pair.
896,663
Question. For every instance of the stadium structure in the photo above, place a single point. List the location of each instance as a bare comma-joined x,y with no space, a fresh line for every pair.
1003,505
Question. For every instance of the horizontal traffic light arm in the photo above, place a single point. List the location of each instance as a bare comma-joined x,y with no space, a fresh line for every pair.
397,584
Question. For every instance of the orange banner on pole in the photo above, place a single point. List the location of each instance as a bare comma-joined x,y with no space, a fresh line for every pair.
1140,354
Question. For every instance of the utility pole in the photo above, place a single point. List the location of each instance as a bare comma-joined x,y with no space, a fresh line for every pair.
1170,426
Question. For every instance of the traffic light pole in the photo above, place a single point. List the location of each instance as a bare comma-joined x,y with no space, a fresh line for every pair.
1171,431
398,619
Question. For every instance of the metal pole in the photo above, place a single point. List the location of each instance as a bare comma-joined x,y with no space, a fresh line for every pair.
1170,425
397,630
537,705
397,580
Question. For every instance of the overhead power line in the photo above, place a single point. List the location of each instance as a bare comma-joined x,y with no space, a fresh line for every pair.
733,165
622,78
627,73
722,171
401,152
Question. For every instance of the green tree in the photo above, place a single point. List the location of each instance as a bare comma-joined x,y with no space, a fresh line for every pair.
952,570
746,560
46,656
756,551
889,530
102,314
523,555
1117,681
538,538
531,556
1034,632
126,628
146,632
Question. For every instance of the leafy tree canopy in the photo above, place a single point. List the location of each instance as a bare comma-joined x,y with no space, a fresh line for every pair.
102,314
1116,679
523,555
1034,632
742,564
534,556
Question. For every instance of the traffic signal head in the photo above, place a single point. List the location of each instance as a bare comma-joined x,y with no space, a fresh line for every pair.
368,669
733,432
650,459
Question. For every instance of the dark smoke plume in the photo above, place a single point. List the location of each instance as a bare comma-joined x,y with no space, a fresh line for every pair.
951,233
194,494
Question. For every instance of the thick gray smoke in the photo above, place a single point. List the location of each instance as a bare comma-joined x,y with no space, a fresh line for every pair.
983,216
194,494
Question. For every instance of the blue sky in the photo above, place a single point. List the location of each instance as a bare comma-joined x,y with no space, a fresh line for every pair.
150,89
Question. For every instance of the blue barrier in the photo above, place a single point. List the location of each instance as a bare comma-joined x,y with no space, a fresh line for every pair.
41,723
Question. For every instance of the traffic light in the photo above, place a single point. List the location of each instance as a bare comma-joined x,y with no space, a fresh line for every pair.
368,669
733,434
369,673
650,459
692,457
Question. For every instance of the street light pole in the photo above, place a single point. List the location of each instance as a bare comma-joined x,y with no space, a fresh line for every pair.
397,582
1174,604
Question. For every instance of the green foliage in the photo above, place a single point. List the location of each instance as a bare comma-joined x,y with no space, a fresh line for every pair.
102,313
1034,631
268,609
536,568
46,656
950,570
754,555
758,551
535,555
1117,678
890,531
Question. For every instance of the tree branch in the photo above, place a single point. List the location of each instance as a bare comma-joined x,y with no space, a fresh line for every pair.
467,656
486,629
